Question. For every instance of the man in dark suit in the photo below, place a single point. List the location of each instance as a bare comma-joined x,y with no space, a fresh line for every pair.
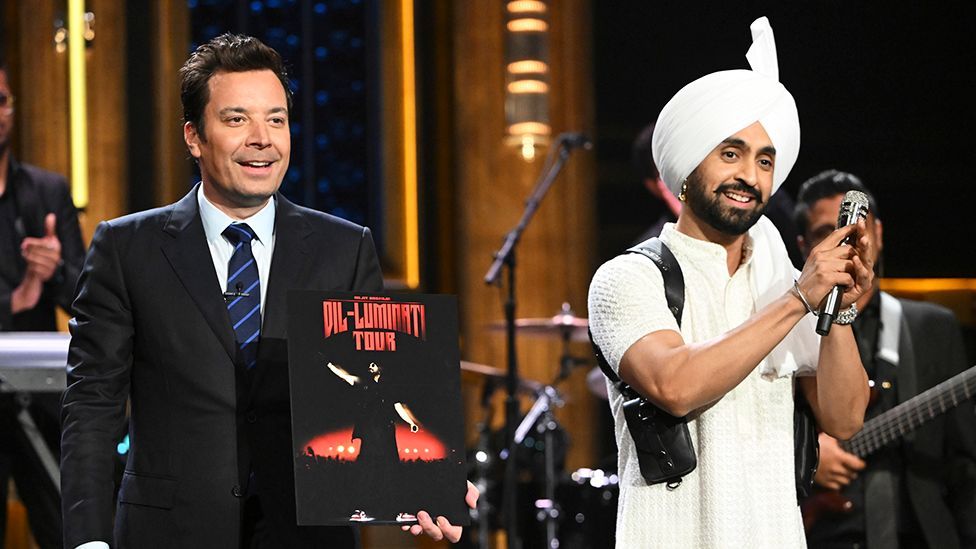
159,321
920,492
41,253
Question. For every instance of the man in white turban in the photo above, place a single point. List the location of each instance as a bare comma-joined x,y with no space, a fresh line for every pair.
724,144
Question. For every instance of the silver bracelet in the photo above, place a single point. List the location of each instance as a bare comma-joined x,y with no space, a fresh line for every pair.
799,294
847,316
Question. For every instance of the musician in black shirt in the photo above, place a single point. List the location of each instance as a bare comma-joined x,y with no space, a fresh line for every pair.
41,254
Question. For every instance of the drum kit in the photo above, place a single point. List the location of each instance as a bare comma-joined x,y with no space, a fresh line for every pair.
575,509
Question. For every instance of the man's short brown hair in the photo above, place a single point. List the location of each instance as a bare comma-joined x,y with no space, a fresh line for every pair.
225,53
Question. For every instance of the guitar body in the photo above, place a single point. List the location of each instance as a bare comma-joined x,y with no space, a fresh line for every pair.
821,504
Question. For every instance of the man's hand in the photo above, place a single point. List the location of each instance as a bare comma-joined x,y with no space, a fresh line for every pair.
442,529
830,264
27,294
43,255
837,467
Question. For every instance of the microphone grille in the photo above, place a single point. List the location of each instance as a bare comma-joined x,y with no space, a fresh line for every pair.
856,198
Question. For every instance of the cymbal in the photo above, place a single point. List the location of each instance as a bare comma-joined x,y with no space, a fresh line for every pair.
556,327
482,369
563,325
499,374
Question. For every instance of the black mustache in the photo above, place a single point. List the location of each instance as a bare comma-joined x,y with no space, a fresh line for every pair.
740,188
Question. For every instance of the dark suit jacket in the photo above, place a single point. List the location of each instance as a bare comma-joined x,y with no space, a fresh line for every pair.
940,456
151,324
36,193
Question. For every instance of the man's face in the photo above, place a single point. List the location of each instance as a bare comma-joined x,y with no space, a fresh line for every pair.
6,115
730,188
244,154
822,220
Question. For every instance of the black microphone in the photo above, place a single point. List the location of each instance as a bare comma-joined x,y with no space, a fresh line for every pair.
239,293
575,140
853,209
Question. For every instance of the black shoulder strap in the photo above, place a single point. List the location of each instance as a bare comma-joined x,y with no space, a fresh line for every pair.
674,290
674,281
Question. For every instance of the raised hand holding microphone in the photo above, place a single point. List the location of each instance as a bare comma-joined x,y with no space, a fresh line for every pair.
839,269
853,210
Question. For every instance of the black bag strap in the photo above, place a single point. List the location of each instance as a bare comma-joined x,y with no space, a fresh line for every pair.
665,451
674,294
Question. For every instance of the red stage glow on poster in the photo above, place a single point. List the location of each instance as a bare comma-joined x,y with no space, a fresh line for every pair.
411,446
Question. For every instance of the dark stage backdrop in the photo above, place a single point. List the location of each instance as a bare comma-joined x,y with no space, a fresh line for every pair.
884,92
329,48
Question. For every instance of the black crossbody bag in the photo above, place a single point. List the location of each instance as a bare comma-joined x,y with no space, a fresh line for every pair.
664,448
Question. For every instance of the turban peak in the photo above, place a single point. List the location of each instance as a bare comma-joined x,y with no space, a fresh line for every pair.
708,110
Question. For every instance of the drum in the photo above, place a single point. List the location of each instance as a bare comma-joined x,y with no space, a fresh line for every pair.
588,499
487,469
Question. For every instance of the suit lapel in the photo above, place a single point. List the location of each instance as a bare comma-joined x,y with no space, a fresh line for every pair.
907,375
289,265
28,202
189,255
907,382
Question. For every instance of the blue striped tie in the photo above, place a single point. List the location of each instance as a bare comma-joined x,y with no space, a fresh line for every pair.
243,295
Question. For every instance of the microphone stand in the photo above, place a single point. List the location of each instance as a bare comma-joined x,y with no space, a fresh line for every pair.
547,511
505,257
483,464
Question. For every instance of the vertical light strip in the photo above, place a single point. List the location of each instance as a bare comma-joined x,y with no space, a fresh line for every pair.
410,200
77,103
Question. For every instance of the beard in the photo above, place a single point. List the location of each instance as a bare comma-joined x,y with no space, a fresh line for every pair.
723,218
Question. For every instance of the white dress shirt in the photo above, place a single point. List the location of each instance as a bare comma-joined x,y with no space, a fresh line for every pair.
262,223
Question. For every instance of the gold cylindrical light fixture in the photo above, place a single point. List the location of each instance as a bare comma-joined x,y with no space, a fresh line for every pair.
527,76
410,183
78,102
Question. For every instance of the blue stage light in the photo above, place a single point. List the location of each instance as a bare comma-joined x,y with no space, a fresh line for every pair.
123,447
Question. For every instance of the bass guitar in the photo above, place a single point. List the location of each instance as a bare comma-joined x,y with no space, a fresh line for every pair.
889,427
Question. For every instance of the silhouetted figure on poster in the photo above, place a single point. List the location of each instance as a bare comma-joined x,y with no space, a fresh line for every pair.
375,428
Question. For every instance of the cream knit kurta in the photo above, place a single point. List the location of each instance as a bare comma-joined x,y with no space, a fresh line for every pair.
742,493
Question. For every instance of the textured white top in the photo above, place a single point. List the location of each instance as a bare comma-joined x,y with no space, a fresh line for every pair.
742,494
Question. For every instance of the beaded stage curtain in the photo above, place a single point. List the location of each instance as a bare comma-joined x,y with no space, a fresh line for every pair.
325,44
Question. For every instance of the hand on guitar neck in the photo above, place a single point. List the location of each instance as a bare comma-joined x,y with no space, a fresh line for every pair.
837,467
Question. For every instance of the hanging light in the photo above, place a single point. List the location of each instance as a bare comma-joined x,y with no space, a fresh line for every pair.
527,76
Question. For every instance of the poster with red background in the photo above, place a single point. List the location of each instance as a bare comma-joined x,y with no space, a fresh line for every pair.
377,424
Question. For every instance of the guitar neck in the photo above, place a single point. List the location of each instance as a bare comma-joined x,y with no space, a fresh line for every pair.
895,423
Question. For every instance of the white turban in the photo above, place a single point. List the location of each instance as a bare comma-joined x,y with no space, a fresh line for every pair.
707,111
